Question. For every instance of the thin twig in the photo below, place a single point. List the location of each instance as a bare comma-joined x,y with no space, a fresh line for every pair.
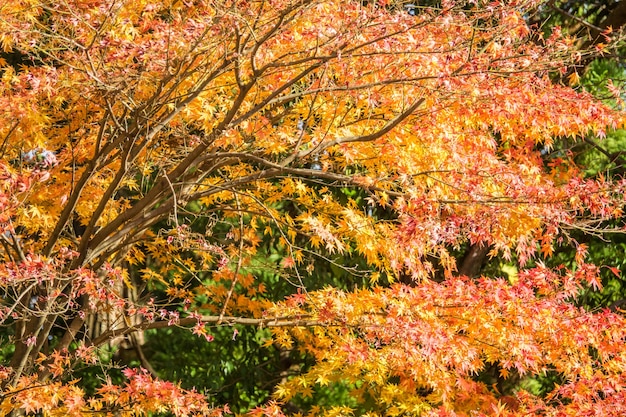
238,267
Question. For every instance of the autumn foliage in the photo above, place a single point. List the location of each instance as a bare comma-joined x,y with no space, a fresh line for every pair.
152,152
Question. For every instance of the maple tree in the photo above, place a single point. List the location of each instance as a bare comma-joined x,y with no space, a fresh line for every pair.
159,157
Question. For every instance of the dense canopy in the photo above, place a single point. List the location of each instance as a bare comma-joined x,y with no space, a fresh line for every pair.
315,167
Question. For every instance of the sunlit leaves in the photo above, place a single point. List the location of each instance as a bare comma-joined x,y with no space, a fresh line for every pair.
403,333
191,163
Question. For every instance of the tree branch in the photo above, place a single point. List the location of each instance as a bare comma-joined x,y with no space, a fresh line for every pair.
301,321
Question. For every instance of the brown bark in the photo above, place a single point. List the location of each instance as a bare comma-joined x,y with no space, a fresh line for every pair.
473,261
616,19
